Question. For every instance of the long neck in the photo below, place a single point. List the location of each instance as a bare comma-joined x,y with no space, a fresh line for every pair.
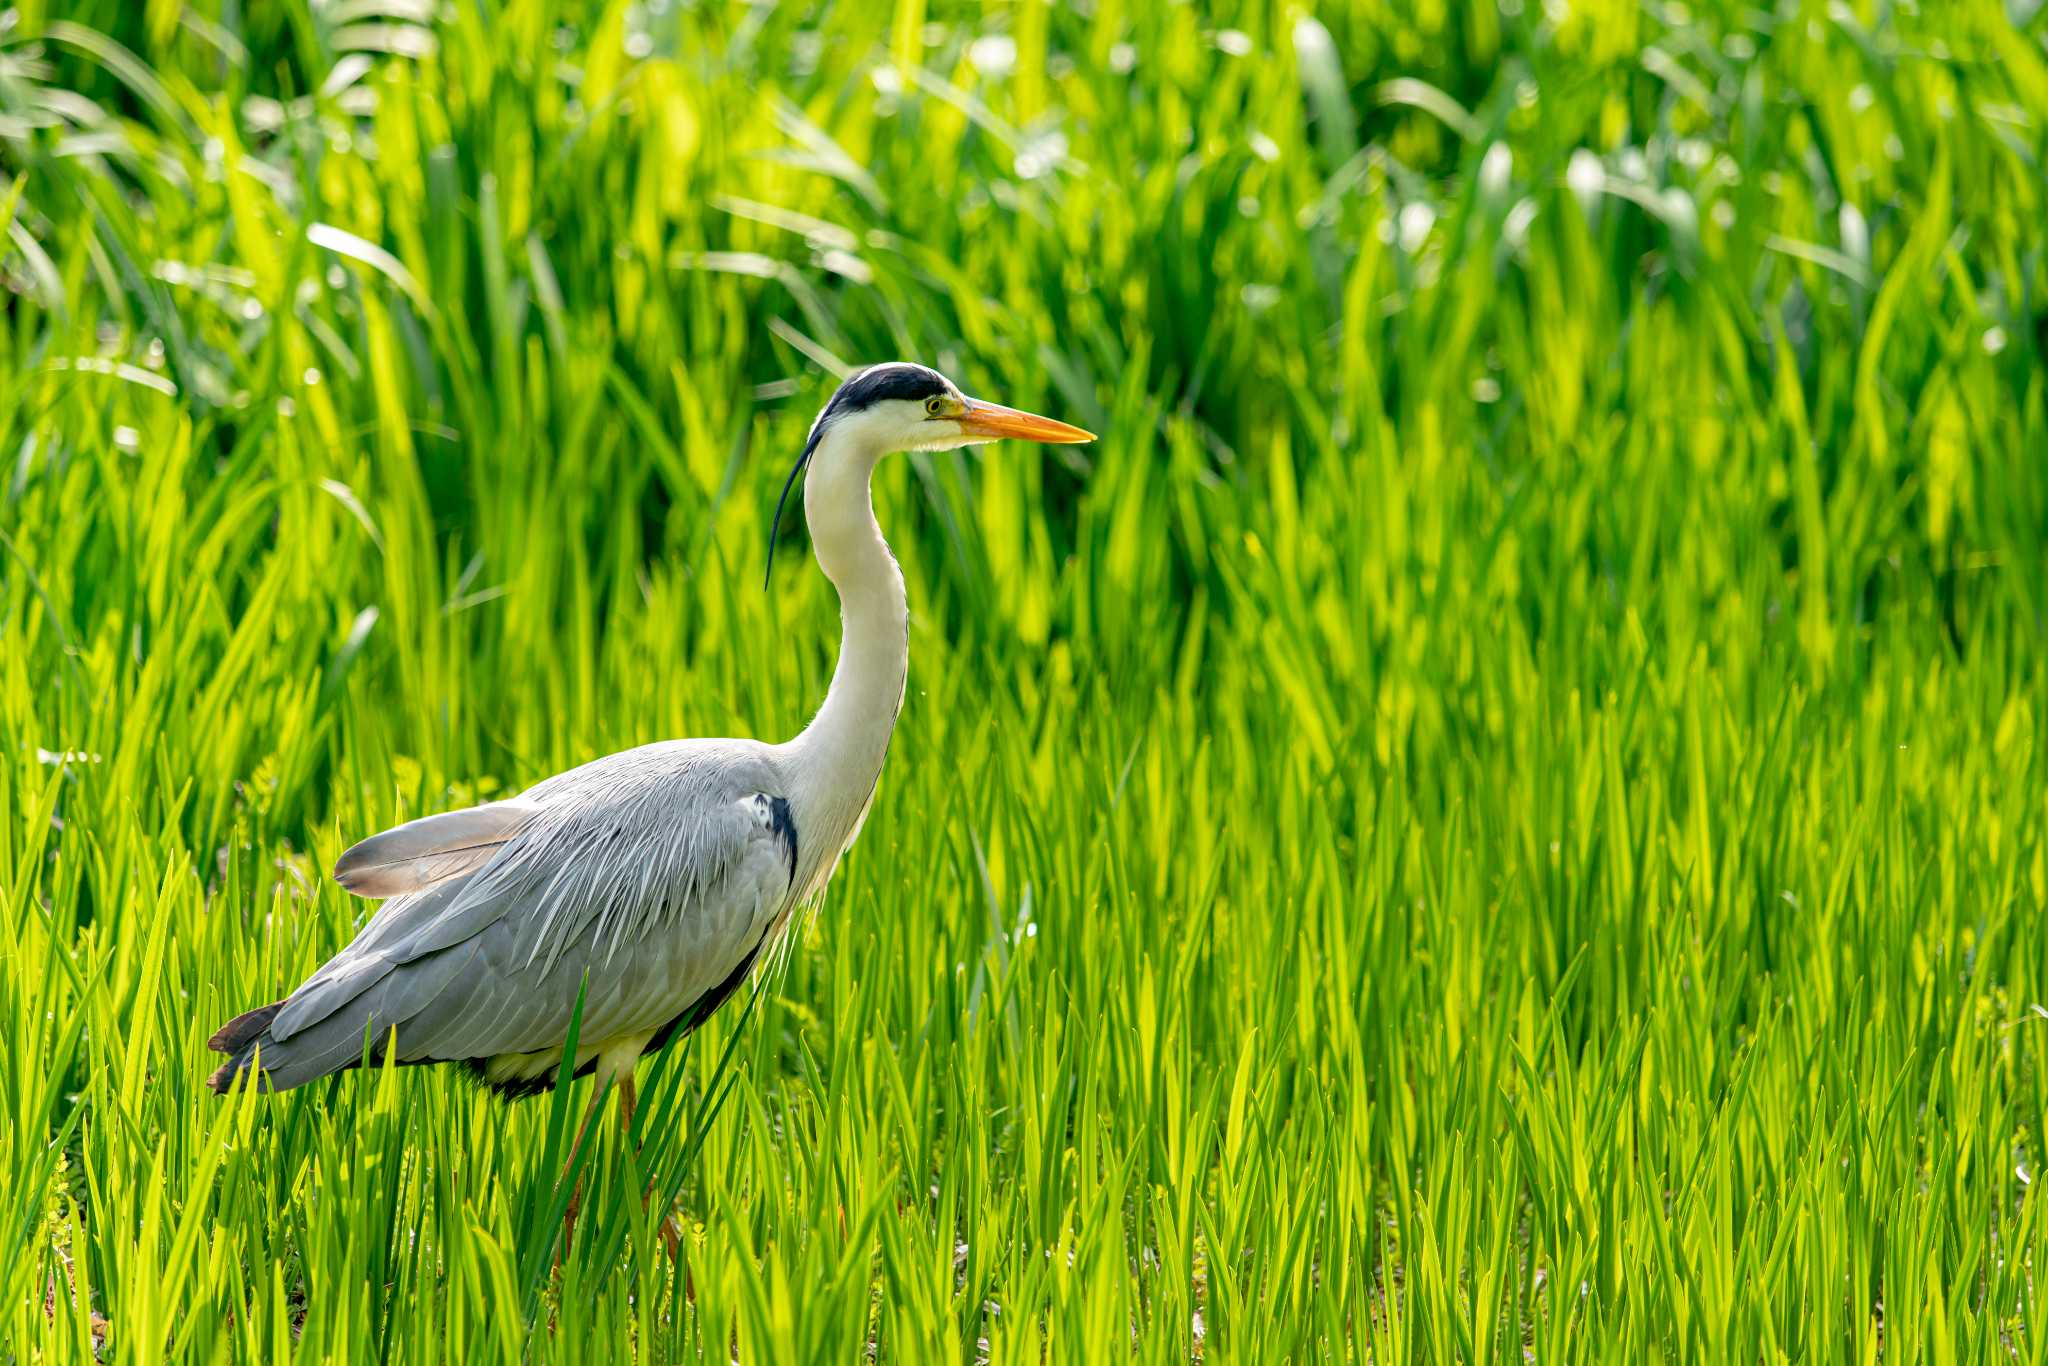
837,759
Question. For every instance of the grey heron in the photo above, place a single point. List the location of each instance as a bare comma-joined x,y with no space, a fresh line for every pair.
650,880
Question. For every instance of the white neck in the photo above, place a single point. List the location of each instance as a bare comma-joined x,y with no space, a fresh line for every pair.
837,760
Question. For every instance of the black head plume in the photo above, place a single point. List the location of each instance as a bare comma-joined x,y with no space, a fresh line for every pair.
775,531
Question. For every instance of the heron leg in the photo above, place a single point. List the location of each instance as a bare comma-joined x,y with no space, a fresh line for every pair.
576,1192
629,1100
671,1231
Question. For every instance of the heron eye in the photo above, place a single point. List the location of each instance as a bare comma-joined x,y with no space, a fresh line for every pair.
934,405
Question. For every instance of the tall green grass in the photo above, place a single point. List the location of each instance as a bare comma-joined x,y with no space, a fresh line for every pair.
1499,810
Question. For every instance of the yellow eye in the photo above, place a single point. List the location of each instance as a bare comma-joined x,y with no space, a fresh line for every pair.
934,405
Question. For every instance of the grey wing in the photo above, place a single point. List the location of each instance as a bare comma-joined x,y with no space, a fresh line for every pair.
420,853
655,874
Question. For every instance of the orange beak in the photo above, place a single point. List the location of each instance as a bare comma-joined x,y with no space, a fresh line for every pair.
994,421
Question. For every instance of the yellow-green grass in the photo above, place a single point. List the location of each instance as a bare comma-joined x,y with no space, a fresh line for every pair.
1500,809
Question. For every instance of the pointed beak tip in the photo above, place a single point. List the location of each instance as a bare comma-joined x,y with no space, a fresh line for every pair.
1075,437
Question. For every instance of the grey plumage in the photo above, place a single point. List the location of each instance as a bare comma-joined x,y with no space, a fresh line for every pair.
657,871
431,849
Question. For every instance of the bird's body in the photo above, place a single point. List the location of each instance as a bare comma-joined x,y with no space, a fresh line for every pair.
660,871
649,881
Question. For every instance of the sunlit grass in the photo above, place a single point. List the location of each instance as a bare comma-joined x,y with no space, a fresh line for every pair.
1499,809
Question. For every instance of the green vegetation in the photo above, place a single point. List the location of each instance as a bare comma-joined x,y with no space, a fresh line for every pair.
1502,807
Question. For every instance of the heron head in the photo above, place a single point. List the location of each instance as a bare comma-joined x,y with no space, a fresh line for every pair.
902,406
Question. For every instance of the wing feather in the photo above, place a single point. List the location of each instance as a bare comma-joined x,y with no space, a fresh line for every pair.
420,853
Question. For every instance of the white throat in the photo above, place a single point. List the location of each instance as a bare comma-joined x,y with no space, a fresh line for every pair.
836,761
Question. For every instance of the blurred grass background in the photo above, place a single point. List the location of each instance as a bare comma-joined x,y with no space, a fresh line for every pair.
1500,809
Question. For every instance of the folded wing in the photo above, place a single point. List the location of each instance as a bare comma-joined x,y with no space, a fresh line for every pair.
414,856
